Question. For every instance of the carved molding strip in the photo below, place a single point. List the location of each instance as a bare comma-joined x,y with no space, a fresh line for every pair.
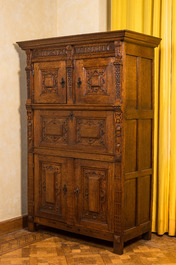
69,80
95,48
118,139
30,128
117,78
52,52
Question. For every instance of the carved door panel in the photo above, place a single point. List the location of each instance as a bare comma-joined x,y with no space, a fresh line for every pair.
93,131
94,194
51,128
51,179
95,81
50,82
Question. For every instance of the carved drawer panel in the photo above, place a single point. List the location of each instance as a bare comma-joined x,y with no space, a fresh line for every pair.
50,182
93,131
89,131
50,82
93,194
51,128
95,81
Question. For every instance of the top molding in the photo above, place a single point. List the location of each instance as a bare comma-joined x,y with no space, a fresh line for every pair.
120,35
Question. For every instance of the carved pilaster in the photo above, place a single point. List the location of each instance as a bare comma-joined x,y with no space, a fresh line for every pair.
118,128
30,129
118,67
29,71
69,51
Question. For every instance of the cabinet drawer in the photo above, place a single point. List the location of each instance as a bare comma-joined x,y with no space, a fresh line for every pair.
51,128
50,82
85,131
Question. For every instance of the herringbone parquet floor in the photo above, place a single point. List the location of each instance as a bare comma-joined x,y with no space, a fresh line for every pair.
53,248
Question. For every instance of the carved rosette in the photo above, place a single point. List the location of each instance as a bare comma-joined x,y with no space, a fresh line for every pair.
30,129
96,80
118,67
118,128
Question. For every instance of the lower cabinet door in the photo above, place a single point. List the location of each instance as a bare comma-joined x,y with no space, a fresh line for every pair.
51,178
93,194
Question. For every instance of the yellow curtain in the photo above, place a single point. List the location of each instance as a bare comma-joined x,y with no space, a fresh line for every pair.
158,18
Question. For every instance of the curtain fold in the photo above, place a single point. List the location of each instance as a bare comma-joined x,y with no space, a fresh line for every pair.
158,18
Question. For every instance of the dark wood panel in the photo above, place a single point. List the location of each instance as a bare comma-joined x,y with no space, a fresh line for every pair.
131,82
144,144
130,199
144,199
145,84
130,145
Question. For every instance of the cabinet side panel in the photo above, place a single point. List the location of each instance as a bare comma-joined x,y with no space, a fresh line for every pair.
131,81
145,84
144,144
130,204
130,145
144,194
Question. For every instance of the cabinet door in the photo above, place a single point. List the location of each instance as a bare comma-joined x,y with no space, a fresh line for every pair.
94,194
51,178
95,81
50,82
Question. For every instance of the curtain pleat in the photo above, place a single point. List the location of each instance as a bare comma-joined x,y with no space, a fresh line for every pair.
158,18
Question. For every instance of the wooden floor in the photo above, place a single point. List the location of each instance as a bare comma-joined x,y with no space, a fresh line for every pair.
54,247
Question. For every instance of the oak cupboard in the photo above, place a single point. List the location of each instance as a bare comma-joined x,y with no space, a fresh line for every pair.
90,134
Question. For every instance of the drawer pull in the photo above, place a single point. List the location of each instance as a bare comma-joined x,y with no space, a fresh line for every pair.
76,191
62,83
79,82
65,189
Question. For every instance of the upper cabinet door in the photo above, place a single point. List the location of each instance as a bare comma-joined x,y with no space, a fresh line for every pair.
95,81
50,82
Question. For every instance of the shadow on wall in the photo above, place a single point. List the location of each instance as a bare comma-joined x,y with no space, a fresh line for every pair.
23,125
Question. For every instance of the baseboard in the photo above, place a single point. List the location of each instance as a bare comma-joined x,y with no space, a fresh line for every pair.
13,224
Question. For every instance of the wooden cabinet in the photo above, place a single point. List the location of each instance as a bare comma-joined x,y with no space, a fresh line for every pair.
90,134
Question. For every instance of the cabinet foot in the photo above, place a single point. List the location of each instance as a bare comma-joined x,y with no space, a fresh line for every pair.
31,226
147,236
118,245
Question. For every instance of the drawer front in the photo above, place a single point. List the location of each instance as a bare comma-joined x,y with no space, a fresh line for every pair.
87,131
50,82
93,194
95,81
51,128
93,131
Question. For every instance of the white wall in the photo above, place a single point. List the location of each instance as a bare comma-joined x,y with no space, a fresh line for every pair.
19,20
81,16
24,20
